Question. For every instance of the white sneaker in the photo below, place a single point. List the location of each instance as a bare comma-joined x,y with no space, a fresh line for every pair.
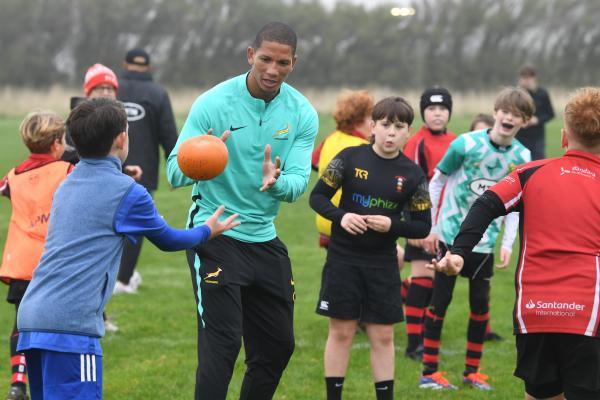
135,281
110,326
122,288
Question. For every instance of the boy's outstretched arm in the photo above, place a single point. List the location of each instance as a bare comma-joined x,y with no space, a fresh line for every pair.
485,209
137,216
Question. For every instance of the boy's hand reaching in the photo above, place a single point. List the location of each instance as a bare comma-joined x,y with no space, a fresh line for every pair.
451,264
431,243
224,135
217,227
134,171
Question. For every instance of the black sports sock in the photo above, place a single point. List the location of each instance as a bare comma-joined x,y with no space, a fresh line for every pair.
384,390
334,387
417,299
475,339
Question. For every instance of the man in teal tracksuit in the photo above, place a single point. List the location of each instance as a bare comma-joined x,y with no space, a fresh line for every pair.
243,283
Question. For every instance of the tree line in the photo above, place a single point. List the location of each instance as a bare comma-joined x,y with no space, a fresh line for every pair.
465,44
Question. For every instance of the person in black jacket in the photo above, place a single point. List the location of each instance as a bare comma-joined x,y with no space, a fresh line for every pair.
533,135
151,124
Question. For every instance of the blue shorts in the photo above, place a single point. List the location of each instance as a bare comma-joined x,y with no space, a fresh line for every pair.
55,375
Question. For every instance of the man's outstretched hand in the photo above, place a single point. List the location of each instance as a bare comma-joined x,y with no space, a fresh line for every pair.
271,170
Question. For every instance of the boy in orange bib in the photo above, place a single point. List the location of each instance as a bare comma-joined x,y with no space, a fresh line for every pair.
30,187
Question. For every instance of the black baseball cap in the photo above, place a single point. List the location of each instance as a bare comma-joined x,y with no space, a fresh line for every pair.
137,56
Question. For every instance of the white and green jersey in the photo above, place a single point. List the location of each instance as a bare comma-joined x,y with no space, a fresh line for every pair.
473,164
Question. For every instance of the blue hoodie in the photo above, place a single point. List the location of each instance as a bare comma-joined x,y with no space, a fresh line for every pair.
94,211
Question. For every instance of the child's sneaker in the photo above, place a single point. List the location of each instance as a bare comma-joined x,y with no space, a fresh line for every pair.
17,393
136,280
477,380
436,381
110,326
123,288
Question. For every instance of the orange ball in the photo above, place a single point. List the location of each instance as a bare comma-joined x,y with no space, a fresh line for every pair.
202,157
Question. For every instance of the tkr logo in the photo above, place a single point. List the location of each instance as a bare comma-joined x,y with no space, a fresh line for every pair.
361,173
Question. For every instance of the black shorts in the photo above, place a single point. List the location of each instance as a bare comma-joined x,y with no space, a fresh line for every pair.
413,253
352,292
553,363
477,265
16,290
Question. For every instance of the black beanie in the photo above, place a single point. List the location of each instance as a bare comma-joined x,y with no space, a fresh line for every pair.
436,95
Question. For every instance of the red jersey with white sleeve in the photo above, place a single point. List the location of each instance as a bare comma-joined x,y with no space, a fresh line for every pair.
426,149
558,274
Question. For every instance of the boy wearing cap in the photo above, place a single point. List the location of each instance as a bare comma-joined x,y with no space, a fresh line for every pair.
151,125
426,148
474,162
99,81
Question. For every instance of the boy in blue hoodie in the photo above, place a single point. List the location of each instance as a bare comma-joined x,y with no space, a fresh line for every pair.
95,210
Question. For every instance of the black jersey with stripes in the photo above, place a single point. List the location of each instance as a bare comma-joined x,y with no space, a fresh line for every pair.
372,185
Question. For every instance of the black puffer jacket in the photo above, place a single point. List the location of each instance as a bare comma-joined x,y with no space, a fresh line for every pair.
151,123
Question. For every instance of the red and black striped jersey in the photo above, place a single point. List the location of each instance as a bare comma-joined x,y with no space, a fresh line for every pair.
558,274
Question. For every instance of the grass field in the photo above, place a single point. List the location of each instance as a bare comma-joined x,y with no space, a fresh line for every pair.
153,356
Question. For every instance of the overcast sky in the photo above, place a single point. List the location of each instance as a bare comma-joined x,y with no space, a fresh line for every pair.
368,3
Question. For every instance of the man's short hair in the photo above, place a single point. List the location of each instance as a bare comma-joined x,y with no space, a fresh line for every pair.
94,124
582,116
527,71
393,109
277,32
40,129
515,100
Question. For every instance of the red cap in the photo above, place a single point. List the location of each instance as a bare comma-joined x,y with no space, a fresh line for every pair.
99,74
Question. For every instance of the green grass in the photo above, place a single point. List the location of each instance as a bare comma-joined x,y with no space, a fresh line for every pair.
153,356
